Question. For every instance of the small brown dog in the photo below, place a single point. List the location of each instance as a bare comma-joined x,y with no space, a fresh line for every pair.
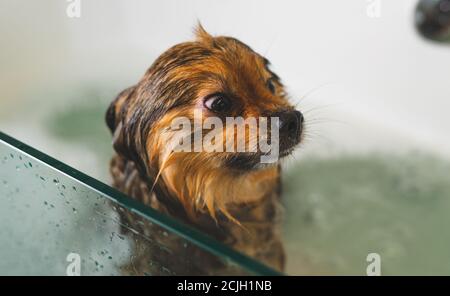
230,196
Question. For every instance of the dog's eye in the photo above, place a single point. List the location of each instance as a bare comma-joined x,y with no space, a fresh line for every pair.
271,85
218,103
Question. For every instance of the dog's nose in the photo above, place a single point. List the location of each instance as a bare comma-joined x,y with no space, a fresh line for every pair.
291,125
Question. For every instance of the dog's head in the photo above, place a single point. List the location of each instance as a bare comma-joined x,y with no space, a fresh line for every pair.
220,79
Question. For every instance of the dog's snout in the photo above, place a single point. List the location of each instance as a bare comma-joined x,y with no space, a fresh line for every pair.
291,124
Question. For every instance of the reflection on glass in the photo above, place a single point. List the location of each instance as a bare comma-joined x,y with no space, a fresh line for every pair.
47,217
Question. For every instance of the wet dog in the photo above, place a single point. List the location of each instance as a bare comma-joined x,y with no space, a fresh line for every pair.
231,196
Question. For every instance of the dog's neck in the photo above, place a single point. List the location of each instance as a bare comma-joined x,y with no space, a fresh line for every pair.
218,191
248,212
253,201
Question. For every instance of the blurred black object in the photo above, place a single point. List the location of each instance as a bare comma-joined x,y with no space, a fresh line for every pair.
433,19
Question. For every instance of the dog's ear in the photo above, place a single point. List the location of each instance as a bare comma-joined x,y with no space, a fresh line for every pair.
115,110
115,116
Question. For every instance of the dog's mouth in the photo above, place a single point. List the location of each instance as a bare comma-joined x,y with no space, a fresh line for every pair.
253,161
286,152
243,161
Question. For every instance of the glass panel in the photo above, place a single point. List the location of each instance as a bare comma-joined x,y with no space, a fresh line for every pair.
51,216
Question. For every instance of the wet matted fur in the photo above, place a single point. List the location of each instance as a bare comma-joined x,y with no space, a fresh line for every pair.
227,195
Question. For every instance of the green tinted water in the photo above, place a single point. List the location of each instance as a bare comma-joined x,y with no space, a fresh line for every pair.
341,209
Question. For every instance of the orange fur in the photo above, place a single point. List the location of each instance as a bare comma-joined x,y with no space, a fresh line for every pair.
195,186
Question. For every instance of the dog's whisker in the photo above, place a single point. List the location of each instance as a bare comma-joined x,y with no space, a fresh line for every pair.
313,90
317,137
325,119
319,108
